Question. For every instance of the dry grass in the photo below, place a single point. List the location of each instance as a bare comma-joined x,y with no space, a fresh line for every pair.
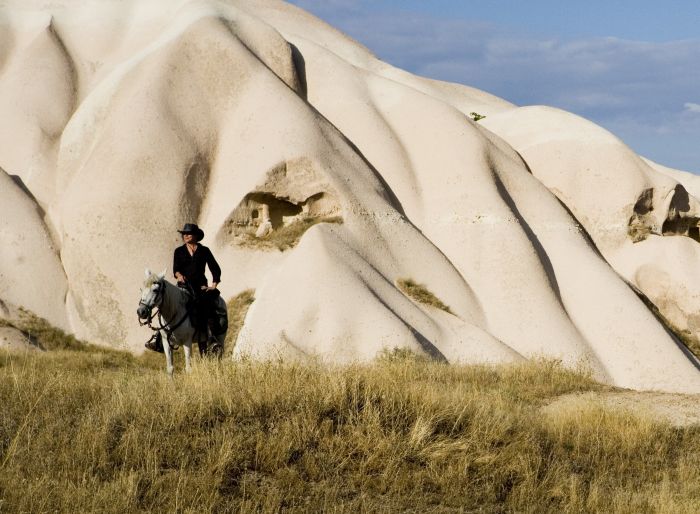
285,237
237,308
637,229
420,293
85,432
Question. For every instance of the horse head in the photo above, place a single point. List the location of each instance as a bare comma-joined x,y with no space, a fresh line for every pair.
151,294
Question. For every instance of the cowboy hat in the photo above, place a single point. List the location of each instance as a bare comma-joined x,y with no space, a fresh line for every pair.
191,228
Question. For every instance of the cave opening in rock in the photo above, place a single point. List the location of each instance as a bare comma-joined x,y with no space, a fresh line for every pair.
264,219
682,227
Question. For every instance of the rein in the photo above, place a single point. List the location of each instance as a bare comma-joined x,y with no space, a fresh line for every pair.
167,327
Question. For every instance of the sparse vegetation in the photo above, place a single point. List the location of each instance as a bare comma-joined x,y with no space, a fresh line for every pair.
685,336
44,335
638,229
399,435
237,308
284,237
401,354
689,340
420,293
476,116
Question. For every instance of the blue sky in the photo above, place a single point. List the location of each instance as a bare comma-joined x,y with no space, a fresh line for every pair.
631,66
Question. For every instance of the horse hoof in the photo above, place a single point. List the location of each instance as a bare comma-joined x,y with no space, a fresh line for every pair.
216,350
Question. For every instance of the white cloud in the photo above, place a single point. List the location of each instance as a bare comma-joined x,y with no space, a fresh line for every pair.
614,82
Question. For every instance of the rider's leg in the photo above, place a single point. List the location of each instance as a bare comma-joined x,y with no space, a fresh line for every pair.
214,306
219,326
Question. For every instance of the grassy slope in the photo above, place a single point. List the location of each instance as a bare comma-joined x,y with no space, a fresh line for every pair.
85,431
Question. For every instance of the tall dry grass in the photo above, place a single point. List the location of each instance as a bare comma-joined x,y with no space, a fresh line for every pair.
103,432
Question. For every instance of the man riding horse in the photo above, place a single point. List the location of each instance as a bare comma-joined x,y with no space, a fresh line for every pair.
189,263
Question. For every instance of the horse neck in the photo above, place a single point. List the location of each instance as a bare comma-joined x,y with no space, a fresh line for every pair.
173,301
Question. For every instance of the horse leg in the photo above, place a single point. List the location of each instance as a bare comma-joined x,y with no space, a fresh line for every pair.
188,356
168,354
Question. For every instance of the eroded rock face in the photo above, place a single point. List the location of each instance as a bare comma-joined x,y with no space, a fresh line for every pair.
254,119
31,272
640,217
681,215
292,191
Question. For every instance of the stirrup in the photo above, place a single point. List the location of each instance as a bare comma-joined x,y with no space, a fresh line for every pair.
155,343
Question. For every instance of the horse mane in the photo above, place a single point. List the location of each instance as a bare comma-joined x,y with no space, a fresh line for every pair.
152,279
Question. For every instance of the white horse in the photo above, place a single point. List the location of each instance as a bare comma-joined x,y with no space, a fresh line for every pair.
176,328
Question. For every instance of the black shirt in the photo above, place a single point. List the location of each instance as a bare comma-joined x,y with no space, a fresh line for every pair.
192,266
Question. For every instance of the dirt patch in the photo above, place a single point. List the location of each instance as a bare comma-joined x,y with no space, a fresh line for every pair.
681,410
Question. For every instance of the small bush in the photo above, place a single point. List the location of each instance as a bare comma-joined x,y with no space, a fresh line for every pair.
400,355
420,294
476,116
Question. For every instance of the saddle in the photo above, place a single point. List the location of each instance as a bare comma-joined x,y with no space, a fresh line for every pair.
204,313
208,317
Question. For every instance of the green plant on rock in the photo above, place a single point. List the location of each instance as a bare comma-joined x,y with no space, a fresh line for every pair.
476,116
421,294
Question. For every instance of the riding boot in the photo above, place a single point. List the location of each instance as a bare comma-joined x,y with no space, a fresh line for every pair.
221,316
215,326
155,343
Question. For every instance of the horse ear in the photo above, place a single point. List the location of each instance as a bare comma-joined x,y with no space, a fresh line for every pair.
148,273
161,275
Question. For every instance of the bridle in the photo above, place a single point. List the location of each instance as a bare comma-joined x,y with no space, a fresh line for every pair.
151,312
168,327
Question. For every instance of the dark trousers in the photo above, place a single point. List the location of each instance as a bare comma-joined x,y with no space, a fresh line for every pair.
206,302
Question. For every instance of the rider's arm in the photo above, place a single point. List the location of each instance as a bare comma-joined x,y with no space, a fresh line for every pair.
214,268
177,267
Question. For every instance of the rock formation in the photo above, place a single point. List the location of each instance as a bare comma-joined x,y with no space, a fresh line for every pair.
542,232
